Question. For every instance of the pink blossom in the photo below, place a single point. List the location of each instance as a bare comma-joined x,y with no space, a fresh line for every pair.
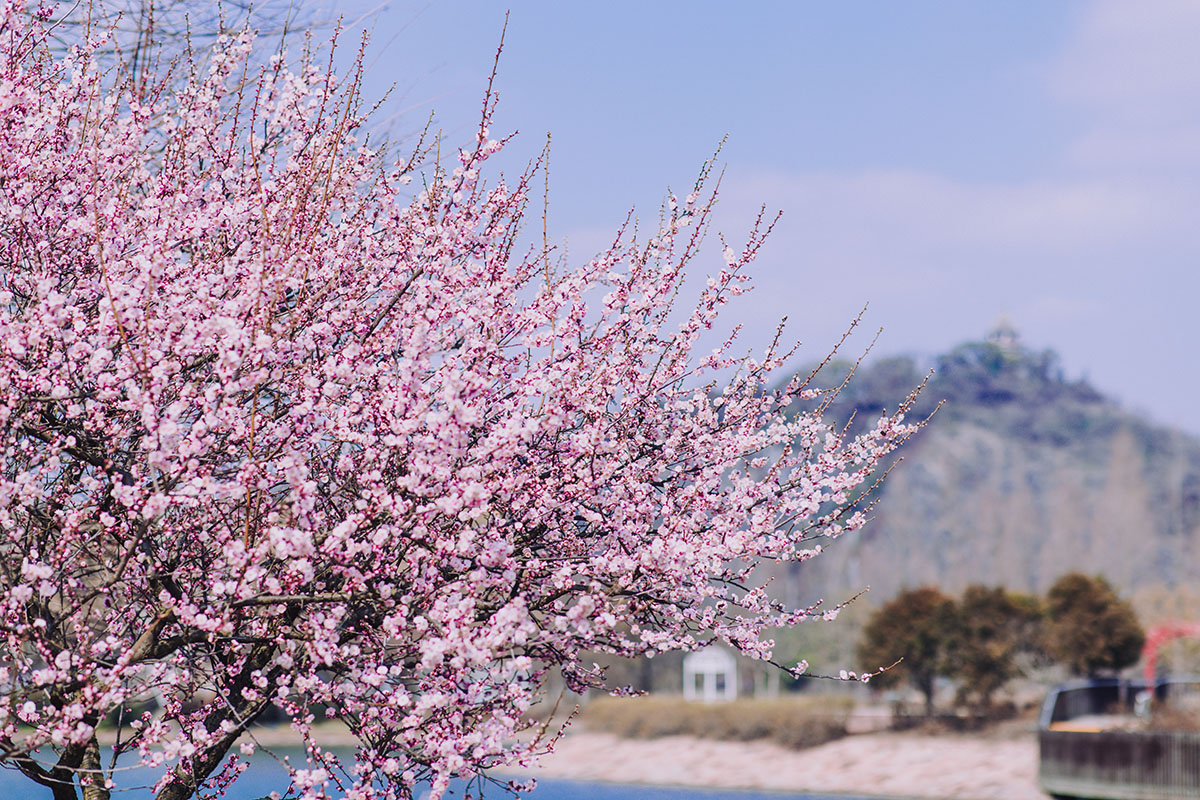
277,430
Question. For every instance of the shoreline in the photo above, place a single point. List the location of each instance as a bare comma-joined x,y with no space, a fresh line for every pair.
890,766
514,773
998,764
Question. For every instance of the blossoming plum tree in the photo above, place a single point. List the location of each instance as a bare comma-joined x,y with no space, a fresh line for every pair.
279,431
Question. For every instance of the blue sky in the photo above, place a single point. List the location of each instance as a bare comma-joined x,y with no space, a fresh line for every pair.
945,162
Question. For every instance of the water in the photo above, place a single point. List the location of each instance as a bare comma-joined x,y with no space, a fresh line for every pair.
265,775
583,790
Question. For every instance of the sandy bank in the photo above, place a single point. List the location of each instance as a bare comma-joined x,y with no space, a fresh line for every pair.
1001,765
958,766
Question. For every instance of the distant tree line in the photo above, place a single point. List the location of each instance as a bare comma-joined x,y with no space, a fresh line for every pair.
1023,392
987,636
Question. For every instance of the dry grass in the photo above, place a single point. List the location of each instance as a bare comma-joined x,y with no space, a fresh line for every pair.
1175,720
791,721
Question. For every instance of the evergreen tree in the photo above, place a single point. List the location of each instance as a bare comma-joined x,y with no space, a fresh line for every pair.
992,628
917,626
1091,629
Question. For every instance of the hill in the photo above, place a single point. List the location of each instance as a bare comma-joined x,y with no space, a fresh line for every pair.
1021,476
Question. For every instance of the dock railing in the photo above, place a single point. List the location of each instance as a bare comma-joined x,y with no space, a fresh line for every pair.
1092,745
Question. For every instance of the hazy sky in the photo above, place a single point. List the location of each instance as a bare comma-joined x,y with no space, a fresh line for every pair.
947,162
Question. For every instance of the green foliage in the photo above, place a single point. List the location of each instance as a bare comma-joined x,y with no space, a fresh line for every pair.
791,721
1091,629
918,626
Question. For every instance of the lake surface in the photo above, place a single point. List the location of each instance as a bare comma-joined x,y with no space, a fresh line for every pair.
266,775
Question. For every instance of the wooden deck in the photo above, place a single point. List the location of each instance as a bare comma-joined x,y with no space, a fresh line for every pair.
1119,765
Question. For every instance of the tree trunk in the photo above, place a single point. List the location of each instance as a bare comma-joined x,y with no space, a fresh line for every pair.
927,690
91,769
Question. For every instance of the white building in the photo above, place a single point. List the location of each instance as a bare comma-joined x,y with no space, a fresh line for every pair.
710,675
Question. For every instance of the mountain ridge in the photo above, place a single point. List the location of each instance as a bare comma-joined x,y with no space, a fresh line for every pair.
1021,475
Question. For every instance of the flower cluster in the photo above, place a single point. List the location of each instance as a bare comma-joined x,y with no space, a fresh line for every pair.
278,431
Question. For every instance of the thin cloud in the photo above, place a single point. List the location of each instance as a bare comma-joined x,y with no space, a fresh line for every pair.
1132,56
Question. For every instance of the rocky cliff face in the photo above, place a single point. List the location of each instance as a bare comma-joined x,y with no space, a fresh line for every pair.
1020,477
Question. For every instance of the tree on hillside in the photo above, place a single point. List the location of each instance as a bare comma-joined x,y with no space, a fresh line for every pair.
917,626
991,629
280,431
1090,629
